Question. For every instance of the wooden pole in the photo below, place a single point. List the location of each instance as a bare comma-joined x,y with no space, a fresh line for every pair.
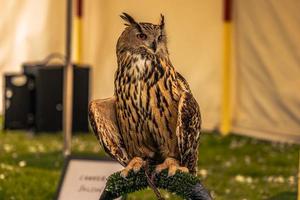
68,84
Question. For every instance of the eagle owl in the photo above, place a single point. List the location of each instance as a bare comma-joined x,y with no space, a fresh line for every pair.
156,117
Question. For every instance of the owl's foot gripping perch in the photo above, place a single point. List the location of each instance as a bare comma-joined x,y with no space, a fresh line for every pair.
135,164
172,165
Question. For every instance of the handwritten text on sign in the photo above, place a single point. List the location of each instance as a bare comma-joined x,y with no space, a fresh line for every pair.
86,179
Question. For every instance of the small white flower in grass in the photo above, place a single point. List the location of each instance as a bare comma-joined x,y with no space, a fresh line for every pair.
227,191
279,179
14,155
6,167
167,196
22,163
81,147
291,180
247,160
227,164
203,173
213,194
270,179
236,144
239,178
76,141
96,148
249,180
32,149
2,176
233,144
41,148
7,148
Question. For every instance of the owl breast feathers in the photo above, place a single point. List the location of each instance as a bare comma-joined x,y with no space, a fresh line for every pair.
153,114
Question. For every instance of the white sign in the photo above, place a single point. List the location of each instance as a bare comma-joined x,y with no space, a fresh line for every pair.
85,178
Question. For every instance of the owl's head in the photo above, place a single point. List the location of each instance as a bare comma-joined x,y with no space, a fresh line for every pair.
139,36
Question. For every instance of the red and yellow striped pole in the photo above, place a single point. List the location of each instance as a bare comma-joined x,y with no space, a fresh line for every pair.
77,31
226,71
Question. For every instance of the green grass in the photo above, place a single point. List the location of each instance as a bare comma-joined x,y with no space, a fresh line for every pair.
232,167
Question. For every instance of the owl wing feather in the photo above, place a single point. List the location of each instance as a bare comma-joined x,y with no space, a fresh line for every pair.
188,126
102,114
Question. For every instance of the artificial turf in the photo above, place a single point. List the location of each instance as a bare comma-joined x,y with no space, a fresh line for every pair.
232,167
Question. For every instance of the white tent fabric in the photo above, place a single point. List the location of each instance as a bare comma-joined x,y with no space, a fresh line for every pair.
29,31
194,44
34,29
267,52
268,69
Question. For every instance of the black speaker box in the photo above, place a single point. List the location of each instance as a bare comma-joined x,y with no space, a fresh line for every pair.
17,101
47,96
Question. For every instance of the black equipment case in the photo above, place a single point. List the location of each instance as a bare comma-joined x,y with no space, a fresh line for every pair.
34,100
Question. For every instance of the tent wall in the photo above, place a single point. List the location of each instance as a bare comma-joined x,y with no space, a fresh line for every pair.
29,31
35,28
268,69
266,101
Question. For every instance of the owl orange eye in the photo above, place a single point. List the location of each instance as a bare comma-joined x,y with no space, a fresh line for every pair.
142,36
160,38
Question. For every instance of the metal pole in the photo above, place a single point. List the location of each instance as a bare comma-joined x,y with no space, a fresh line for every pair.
77,30
68,84
226,82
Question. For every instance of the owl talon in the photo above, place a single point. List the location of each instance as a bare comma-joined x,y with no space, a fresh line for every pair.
172,165
183,169
124,173
135,164
172,170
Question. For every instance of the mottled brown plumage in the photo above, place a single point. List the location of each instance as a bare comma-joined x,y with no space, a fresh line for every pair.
156,116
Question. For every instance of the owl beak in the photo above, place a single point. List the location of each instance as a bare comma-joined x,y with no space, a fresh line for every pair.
153,46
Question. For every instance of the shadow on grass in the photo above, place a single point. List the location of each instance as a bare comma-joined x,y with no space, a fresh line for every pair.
284,196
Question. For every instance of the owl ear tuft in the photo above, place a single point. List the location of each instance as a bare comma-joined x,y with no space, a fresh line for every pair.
128,18
162,21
